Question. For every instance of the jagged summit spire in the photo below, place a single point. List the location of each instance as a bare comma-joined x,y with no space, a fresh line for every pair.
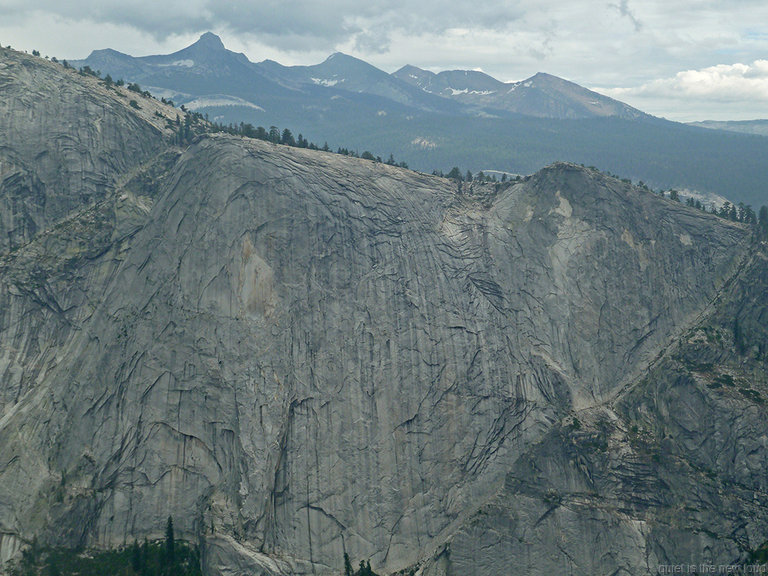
210,41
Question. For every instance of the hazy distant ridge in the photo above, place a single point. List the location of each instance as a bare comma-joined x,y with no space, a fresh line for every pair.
452,118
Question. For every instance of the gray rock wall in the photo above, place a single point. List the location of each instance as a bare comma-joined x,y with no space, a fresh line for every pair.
297,354
66,140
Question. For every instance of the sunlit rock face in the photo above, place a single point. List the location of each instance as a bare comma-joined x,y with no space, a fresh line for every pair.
297,354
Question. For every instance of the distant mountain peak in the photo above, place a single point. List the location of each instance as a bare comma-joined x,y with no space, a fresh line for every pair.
543,77
109,51
340,63
413,71
341,57
210,41
108,55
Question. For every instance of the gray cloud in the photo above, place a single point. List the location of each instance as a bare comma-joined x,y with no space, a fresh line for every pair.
323,24
623,8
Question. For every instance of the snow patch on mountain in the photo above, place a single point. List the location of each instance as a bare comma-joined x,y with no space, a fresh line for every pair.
423,143
325,82
455,92
221,100
180,63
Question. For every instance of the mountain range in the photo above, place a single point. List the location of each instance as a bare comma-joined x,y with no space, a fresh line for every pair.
455,118
191,72
293,357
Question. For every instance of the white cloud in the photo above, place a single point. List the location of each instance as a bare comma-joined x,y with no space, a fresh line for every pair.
724,82
730,86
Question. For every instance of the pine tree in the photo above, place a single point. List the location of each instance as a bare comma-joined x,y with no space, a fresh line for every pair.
762,222
287,138
144,555
455,174
136,557
170,544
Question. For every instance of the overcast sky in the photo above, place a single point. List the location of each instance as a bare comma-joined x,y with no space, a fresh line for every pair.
683,60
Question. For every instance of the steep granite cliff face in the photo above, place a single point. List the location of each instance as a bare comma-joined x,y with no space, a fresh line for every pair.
297,354
66,140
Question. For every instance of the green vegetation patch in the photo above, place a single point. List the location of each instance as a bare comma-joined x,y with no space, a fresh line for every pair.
760,555
167,557
363,570
753,395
